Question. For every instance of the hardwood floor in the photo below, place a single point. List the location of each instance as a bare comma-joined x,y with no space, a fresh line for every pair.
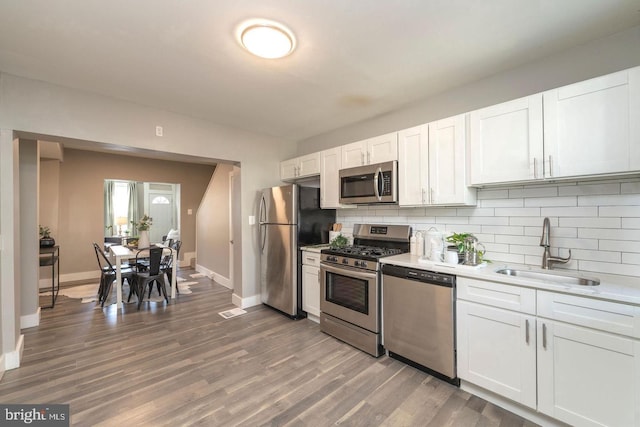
183,364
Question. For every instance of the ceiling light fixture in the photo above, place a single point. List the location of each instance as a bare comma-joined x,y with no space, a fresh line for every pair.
266,39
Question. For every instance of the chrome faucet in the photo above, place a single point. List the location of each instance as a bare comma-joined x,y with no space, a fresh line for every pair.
547,259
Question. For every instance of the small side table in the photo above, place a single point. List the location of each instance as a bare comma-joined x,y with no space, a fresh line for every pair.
50,256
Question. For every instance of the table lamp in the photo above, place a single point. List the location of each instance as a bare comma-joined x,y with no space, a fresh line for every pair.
120,221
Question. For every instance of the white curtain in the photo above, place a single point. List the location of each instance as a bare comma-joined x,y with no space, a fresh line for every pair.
132,211
108,208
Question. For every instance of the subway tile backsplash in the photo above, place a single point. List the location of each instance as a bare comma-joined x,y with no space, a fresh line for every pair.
598,220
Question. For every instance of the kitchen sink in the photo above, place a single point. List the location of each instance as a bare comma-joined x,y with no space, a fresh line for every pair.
551,277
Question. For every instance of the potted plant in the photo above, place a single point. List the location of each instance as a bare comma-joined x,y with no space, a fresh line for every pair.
339,241
45,237
143,230
458,241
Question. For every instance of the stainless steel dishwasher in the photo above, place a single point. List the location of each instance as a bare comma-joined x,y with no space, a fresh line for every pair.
418,323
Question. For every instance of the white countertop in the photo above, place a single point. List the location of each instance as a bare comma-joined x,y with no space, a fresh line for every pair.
624,289
315,248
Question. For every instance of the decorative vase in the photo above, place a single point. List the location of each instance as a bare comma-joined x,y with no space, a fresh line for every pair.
143,239
46,242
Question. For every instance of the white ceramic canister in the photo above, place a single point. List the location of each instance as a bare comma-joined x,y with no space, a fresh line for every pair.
435,245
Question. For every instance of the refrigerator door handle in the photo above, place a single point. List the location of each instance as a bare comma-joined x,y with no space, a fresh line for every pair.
261,223
262,214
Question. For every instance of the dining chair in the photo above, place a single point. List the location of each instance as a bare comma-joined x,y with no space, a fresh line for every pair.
168,261
154,273
108,274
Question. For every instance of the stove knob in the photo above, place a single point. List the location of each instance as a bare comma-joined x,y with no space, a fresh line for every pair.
363,264
345,261
356,263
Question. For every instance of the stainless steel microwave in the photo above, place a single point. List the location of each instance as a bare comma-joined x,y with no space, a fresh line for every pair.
369,184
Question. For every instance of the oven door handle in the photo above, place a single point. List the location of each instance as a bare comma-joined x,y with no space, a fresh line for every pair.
358,274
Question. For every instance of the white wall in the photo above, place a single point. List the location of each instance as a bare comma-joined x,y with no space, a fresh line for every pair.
9,251
616,52
35,107
29,233
598,220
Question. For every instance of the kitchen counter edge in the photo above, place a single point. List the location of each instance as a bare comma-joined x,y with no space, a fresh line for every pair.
617,288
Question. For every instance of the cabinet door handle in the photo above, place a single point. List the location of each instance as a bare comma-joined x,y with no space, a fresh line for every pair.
526,325
423,191
431,201
310,259
368,157
535,168
362,158
550,165
544,336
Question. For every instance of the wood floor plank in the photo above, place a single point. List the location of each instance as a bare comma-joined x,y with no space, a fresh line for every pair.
181,364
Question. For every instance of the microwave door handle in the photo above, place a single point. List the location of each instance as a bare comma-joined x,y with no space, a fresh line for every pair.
377,179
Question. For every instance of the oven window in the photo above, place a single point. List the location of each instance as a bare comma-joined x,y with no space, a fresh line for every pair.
357,186
348,292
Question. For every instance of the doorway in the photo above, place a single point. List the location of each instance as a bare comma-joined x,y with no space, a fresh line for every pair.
126,202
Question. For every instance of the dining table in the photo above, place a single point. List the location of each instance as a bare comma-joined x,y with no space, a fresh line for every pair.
121,252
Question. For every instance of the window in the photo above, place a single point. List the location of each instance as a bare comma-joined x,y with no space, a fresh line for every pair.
160,200
121,205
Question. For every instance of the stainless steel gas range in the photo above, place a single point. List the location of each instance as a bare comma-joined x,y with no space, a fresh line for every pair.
350,284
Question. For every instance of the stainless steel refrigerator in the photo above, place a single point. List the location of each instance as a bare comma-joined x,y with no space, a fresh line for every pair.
290,217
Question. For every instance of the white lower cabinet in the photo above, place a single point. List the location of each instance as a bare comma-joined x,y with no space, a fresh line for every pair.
497,351
577,360
311,284
587,377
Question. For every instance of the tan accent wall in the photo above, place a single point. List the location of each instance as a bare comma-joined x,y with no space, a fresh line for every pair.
82,176
49,190
213,224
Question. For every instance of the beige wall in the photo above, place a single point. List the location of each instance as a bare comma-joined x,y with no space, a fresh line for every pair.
81,199
212,226
48,199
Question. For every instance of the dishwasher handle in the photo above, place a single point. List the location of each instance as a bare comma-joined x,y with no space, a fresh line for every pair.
418,275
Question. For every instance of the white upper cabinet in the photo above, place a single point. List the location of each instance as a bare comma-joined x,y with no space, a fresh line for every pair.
587,129
447,166
288,169
330,164
413,166
300,167
431,164
379,149
593,127
506,142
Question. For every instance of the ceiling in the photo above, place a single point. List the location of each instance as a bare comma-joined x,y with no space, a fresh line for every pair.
355,59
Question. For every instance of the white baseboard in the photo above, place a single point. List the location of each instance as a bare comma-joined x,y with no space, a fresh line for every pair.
12,358
509,405
187,258
72,277
246,302
218,278
30,320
